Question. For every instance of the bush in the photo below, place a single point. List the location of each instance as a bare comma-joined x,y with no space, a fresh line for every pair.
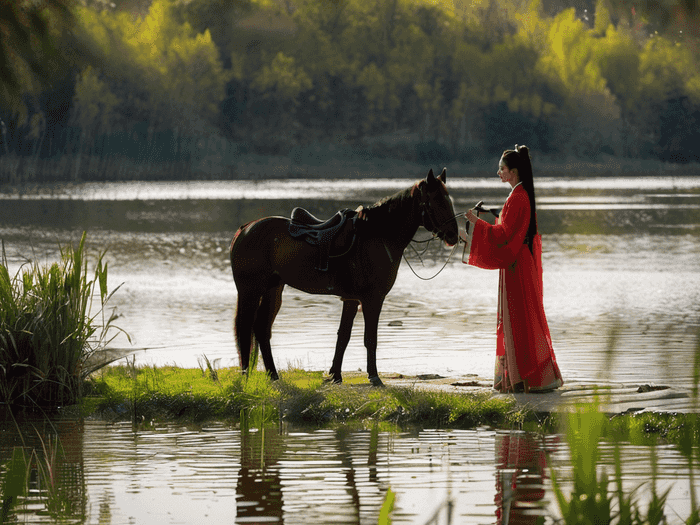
47,328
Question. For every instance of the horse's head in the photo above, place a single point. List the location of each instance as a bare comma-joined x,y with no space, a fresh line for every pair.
437,212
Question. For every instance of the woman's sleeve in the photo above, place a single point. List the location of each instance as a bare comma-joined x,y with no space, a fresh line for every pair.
514,216
496,246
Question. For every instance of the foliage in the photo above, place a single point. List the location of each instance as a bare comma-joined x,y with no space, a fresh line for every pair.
177,73
28,46
49,329
591,500
183,81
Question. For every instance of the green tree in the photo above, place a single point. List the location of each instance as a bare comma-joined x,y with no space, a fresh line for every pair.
29,51
163,72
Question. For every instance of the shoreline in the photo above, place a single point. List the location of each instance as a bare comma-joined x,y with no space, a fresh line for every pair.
616,398
254,167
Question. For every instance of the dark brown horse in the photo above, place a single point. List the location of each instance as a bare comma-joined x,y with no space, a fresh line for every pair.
265,257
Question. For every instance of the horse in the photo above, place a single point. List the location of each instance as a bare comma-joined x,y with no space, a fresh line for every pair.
265,257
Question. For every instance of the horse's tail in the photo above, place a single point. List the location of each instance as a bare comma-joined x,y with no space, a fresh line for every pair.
233,241
252,348
243,320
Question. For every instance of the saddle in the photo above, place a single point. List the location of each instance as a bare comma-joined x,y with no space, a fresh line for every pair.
334,237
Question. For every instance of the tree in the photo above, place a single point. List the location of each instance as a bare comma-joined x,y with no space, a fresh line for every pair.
34,36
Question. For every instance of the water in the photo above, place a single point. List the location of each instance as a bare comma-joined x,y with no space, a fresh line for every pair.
618,252
115,474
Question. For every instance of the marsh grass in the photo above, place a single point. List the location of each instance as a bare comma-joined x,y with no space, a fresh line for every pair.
37,475
598,498
299,397
48,329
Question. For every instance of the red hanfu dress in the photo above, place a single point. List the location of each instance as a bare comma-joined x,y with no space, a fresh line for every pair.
524,353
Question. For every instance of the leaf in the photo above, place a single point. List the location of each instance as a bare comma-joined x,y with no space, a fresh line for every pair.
387,507
16,475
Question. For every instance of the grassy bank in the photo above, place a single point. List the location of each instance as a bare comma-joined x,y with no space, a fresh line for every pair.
145,394
156,394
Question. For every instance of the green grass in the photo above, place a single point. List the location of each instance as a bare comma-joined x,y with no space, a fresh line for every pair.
599,496
49,328
299,397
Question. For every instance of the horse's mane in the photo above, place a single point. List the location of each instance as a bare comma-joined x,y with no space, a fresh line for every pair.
381,209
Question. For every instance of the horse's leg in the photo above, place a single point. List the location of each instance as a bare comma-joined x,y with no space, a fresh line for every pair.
269,307
371,311
344,332
243,327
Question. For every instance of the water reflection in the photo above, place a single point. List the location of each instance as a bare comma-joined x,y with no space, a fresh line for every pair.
259,487
521,469
115,473
42,472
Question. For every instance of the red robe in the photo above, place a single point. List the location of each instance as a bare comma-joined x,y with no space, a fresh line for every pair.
524,350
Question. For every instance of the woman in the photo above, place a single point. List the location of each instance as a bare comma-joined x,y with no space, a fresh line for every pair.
525,360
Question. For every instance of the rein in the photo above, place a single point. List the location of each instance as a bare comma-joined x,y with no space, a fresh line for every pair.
438,272
434,235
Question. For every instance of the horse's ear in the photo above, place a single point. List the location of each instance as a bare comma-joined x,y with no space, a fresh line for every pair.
431,177
443,176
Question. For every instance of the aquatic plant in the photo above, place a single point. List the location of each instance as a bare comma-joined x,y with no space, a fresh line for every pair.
591,500
387,507
33,475
48,329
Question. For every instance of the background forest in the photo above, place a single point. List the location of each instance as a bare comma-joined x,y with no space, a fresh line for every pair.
226,89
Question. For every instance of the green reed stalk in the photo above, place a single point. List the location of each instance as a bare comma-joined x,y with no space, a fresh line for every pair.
47,328
590,501
387,507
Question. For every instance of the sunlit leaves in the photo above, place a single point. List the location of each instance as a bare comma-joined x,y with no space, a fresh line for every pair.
282,79
180,70
93,104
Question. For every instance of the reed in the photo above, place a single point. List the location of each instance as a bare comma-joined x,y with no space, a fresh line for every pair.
593,501
48,329
38,475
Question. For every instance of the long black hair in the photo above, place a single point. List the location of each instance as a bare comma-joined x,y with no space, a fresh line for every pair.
520,158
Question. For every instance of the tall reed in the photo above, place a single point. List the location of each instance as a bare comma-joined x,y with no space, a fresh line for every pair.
48,329
591,501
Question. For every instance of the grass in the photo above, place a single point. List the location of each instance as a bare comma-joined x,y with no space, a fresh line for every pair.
48,329
40,475
193,395
592,501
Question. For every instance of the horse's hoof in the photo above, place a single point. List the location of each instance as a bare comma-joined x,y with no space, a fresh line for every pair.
335,379
375,381
273,376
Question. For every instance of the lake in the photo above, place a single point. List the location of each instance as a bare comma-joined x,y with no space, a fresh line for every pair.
620,254
168,474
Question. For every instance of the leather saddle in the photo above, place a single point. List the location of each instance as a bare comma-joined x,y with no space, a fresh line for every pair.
334,237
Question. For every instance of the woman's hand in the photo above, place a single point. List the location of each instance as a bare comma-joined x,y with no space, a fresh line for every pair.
472,216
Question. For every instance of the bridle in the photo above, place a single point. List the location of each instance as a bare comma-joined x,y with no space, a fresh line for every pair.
429,223
426,218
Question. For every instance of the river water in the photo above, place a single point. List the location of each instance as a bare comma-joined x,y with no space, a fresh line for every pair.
620,254
115,474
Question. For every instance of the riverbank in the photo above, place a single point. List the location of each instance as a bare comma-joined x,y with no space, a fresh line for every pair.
614,398
320,161
151,395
